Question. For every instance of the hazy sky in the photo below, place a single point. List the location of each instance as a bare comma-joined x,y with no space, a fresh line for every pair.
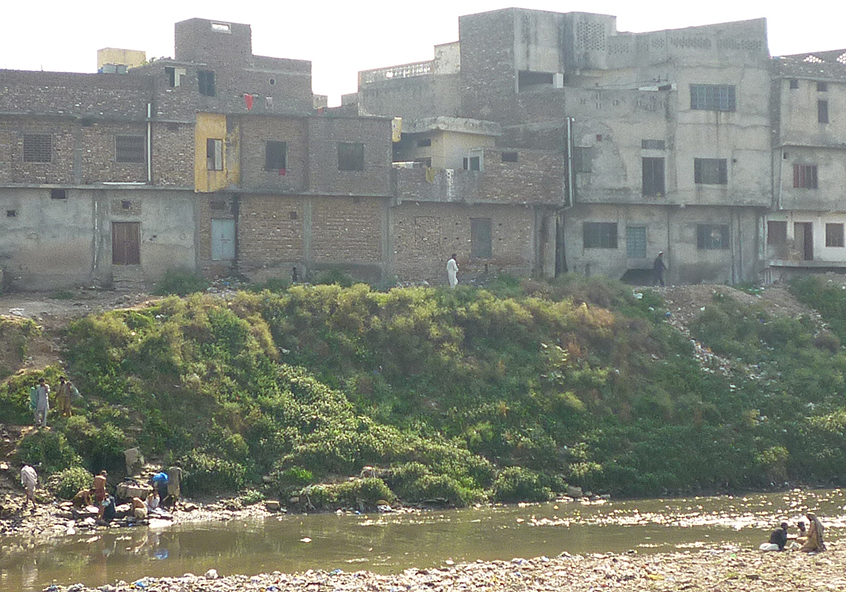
341,38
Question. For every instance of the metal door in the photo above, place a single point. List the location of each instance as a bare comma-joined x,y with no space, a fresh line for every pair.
126,243
223,240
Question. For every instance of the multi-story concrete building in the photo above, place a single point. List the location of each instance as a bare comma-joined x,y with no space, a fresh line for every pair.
666,136
537,143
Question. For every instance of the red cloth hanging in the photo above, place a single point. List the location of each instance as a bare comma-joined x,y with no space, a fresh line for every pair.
248,99
282,172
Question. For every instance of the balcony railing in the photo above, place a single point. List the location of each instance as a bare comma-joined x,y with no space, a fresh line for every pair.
403,71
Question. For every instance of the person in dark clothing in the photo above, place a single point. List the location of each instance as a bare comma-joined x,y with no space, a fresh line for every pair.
778,539
107,509
658,269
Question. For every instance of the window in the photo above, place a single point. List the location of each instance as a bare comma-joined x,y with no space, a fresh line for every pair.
652,144
834,235
480,238
276,156
822,86
710,171
214,154
776,233
473,163
509,157
221,27
424,142
822,111
712,97
805,176
653,177
205,82
58,194
11,213
794,84
636,242
350,156
38,148
599,235
129,148
529,80
582,159
174,76
712,237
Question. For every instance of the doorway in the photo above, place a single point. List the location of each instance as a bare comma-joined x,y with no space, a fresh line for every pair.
803,236
126,243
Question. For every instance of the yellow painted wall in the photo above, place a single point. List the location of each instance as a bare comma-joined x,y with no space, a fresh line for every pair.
131,58
213,126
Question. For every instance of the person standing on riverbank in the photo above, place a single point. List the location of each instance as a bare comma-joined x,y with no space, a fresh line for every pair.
42,403
29,479
452,271
814,542
63,397
100,487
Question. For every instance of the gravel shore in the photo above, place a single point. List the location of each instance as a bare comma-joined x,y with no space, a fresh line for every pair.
725,569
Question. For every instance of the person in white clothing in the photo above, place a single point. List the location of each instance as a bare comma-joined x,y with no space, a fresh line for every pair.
29,479
452,271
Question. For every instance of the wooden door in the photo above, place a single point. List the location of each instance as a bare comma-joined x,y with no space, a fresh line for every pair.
126,243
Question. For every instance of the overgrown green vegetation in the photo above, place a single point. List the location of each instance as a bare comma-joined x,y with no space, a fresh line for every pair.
506,393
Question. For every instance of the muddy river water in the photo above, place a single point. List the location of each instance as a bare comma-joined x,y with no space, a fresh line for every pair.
392,542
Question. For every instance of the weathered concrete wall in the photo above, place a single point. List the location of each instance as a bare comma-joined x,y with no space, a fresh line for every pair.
672,230
48,243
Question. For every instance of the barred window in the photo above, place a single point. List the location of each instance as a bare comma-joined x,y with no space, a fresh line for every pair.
38,148
599,235
710,171
712,237
636,242
834,235
712,97
805,176
129,148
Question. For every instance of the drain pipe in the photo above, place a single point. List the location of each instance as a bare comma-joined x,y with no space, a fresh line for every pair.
149,143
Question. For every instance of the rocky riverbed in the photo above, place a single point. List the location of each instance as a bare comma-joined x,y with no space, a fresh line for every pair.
712,570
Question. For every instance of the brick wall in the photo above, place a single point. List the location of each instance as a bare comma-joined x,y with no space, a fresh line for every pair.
98,153
326,132
256,131
271,231
59,170
173,154
346,230
424,235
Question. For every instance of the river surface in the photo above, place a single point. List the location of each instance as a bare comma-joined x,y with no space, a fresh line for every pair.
389,543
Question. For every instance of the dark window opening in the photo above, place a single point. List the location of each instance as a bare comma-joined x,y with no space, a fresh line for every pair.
710,171
129,148
822,86
834,235
776,233
794,84
126,205
509,157
170,72
712,237
217,205
38,148
582,159
173,127
822,111
276,156
653,177
58,194
805,176
712,97
11,213
205,82
292,215
472,163
424,142
480,238
350,156
652,144
599,235
214,154
529,80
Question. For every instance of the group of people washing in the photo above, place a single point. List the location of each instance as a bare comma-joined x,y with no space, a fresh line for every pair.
808,540
99,497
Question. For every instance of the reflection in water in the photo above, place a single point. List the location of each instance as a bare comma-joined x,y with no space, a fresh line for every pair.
392,542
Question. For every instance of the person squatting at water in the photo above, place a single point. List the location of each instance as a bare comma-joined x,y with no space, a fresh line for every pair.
814,543
778,539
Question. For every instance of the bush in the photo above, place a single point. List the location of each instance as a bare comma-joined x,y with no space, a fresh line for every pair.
516,484
65,484
351,494
180,282
206,474
251,497
49,449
